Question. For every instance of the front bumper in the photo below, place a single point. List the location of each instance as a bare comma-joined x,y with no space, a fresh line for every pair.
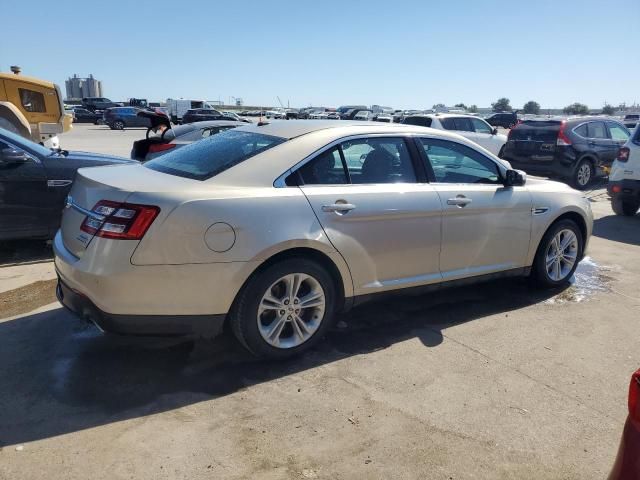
207,326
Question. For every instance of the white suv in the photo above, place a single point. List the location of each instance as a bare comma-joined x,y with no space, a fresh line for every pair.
475,129
624,179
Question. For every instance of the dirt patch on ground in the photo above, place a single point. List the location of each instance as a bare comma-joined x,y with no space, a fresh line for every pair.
27,298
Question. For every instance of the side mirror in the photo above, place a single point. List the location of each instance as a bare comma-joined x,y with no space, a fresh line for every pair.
9,156
494,131
515,178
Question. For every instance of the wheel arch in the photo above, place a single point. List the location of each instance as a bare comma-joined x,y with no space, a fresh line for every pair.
572,215
344,286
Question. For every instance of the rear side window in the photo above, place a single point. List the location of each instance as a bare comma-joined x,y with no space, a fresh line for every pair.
597,130
361,161
210,156
418,121
582,130
326,169
31,101
460,124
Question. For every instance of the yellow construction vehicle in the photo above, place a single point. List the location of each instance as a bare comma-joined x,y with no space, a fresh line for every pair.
32,108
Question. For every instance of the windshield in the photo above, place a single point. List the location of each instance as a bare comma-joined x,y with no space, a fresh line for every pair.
24,143
209,157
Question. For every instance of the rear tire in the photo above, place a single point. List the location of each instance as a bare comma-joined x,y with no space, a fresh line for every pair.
583,175
558,254
269,323
118,125
627,208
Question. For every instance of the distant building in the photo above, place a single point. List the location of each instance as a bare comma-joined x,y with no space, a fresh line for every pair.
78,88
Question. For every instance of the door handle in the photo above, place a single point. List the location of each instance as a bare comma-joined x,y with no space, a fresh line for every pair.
338,207
58,183
459,201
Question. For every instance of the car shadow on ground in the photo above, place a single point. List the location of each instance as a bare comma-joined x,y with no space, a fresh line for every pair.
60,375
16,252
618,228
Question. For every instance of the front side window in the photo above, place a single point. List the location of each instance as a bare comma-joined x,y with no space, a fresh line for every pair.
210,156
596,130
618,132
32,101
480,126
455,163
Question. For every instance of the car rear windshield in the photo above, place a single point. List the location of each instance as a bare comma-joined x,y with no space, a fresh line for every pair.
536,130
632,117
209,157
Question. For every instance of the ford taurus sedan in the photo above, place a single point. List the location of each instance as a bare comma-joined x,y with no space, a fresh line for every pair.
274,228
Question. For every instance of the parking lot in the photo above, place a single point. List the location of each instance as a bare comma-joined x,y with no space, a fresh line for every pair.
493,381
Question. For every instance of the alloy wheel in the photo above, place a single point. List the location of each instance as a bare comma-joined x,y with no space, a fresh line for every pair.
584,174
561,255
291,310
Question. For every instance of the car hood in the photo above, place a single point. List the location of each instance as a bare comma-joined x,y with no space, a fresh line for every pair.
544,185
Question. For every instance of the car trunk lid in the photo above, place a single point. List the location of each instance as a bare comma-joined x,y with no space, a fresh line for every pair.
111,184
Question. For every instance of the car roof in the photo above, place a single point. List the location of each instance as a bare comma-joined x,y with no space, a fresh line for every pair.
295,128
306,137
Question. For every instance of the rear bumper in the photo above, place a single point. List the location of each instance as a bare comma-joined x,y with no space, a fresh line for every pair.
624,189
157,325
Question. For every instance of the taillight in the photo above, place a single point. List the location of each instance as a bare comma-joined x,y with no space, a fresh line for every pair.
563,140
160,147
623,154
634,397
123,221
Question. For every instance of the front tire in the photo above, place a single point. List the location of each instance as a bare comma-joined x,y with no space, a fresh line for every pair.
627,208
558,254
118,125
583,175
285,309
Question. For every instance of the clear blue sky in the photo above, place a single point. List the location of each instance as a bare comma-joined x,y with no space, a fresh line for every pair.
324,52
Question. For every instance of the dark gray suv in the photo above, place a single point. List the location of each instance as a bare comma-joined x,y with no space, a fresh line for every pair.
576,149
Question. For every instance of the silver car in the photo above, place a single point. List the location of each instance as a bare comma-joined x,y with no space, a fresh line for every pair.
276,227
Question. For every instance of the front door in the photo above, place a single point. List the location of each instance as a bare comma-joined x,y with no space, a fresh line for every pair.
386,225
24,195
486,226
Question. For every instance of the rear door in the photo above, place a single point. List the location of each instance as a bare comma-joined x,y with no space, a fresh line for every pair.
376,211
485,226
600,143
25,202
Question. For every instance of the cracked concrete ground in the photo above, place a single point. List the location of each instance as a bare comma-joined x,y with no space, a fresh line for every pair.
489,381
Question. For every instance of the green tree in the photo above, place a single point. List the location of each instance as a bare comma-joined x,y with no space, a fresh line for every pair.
460,105
531,107
576,109
439,106
608,109
502,105
472,109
